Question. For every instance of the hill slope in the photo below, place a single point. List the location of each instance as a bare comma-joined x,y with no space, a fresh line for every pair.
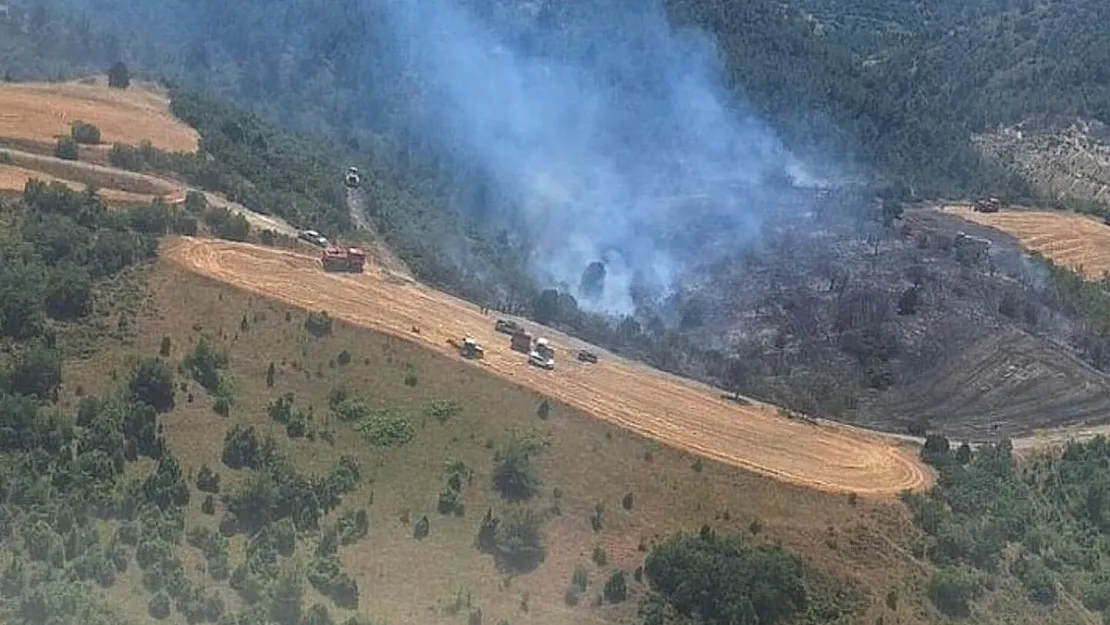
681,414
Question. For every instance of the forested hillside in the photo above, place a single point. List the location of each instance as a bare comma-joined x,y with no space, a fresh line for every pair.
899,85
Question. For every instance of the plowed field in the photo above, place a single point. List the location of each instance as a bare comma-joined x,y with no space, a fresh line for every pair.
1069,239
674,411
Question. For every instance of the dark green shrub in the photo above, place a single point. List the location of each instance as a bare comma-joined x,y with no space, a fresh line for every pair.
242,448
352,526
951,590
719,577
152,383
616,590
518,539
442,410
195,202
205,364
159,606
599,556
66,149
580,579
317,615
318,324
513,474
226,224
421,529
119,77
208,481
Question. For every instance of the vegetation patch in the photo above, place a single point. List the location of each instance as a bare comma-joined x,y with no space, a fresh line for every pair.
721,579
442,410
514,476
1044,522
388,427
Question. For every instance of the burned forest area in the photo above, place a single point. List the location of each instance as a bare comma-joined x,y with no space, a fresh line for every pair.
911,321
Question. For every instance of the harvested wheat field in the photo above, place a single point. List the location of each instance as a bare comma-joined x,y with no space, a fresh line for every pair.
1069,239
14,178
37,113
674,411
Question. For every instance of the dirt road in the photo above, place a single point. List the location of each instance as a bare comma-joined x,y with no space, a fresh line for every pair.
379,251
1069,239
679,413
14,178
119,184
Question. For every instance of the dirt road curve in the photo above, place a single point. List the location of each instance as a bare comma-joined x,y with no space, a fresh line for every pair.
1069,239
679,413
121,185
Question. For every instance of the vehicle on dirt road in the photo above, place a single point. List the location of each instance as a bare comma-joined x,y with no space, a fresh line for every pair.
506,326
313,237
521,342
471,349
587,356
988,205
353,178
537,360
544,349
343,259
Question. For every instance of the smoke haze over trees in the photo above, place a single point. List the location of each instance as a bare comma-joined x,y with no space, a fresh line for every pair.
571,127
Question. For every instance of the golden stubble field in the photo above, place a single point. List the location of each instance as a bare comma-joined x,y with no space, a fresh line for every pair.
1070,239
34,115
41,112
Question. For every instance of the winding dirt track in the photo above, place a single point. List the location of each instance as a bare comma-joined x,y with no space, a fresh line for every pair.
674,411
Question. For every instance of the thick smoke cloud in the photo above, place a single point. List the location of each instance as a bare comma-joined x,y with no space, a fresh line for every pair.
593,129
616,143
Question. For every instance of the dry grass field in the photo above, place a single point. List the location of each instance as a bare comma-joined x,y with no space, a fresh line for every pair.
34,115
1070,239
40,112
